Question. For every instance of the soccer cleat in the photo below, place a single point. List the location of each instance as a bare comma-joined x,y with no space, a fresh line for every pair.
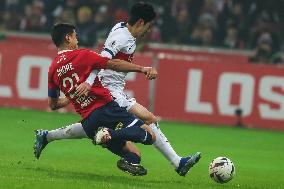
40,142
186,163
130,168
102,136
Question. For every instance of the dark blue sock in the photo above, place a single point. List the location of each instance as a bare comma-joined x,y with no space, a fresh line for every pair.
132,158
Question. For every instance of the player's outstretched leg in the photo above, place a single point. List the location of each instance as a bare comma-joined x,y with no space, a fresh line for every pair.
187,162
132,169
40,142
134,134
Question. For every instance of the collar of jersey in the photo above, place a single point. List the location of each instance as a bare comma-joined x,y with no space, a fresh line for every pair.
63,51
124,25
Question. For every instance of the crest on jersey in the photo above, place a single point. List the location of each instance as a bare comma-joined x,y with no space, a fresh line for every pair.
61,58
131,47
113,43
119,126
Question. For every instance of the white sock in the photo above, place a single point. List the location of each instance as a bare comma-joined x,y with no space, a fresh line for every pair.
163,145
74,131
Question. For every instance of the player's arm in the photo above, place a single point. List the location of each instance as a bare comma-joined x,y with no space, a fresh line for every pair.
85,87
57,103
119,66
54,101
124,66
98,62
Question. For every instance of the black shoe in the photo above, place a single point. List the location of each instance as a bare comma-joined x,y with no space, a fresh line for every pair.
132,169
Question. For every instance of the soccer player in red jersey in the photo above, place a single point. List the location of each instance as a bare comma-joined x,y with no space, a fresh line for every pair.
121,44
72,66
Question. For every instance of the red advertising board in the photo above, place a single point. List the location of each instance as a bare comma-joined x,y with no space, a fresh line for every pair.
201,88
206,92
23,74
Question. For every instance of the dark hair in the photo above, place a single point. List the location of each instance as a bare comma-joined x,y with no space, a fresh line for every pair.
59,31
141,10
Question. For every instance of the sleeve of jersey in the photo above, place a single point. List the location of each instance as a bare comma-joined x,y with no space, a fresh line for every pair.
94,60
112,47
53,90
91,78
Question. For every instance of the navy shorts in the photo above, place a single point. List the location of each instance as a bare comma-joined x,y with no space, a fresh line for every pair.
110,116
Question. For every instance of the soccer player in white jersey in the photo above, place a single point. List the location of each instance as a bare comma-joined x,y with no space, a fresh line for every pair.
121,44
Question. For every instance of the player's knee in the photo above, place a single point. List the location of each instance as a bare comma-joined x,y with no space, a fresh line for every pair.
151,119
153,136
138,154
150,137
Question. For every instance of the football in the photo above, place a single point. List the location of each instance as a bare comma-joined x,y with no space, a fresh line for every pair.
221,170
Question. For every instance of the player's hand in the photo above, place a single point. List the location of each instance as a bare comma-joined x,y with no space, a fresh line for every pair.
150,73
83,89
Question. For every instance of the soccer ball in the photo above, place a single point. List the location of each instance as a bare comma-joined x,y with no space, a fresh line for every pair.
221,170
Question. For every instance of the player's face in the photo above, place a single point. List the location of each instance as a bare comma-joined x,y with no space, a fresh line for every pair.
144,28
73,41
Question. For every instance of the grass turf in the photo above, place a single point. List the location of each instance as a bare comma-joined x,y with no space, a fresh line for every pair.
257,154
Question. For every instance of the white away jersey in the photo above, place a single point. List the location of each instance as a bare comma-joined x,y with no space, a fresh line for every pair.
120,44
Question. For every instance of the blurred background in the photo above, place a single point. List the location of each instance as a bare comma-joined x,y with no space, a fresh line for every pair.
233,24
220,61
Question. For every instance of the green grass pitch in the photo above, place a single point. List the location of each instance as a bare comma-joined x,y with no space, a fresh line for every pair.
257,154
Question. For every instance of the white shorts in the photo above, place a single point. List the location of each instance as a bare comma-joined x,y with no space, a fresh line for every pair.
123,99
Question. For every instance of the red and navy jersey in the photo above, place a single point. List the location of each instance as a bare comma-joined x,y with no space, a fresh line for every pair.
68,70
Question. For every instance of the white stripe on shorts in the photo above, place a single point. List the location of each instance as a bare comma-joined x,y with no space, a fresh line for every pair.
145,136
133,122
